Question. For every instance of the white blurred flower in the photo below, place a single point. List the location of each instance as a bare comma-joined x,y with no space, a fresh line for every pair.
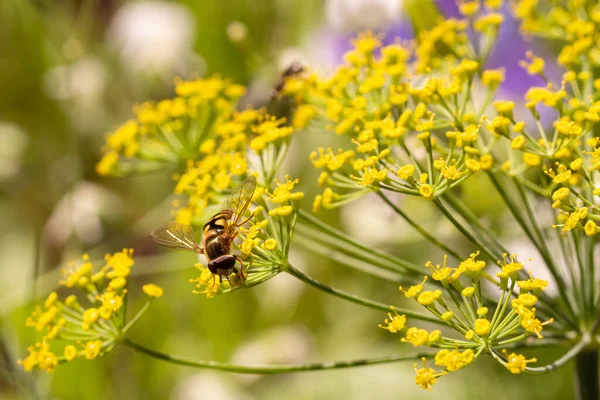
353,15
80,85
79,211
153,36
237,31
83,79
371,221
13,142
292,344
208,385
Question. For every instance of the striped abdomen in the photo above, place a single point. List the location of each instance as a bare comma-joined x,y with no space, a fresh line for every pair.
215,244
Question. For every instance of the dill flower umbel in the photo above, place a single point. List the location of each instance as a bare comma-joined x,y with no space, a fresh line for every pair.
484,324
421,118
170,131
90,324
264,244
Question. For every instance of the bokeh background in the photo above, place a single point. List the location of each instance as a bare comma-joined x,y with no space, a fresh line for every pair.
71,70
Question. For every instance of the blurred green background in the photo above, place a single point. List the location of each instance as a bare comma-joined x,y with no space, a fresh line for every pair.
70,71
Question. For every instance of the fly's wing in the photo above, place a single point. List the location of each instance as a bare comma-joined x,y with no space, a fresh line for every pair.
239,201
176,236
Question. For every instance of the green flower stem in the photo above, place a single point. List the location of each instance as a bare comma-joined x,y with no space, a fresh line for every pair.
268,369
308,219
590,244
576,240
458,206
358,254
573,352
515,210
472,238
545,249
418,228
347,260
356,299
137,316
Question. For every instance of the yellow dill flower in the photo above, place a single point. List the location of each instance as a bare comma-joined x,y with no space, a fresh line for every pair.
394,323
518,142
406,172
576,164
90,316
532,160
40,356
427,298
471,265
70,352
281,211
493,77
426,377
534,66
447,316
492,20
117,283
561,194
119,263
510,267
482,327
454,360
418,337
92,349
152,290
473,165
591,228
283,191
269,244
563,174
567,127
414,290
516,363
439,273
486,161
468,8
426,191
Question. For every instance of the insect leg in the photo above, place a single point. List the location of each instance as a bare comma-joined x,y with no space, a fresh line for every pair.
247,219
241,273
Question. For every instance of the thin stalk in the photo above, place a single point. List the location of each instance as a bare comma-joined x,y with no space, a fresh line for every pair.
307,218
137,316
474,240
346,260
352,251
573,352
356,299
458,206
418,228
268,369
515,210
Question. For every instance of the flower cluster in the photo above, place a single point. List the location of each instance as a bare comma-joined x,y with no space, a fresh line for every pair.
412,130
90,328
172,130
264,245
573,22
485,324
219,147
250,142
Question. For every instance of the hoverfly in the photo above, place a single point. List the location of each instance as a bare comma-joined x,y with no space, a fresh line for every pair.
218,233
294,69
